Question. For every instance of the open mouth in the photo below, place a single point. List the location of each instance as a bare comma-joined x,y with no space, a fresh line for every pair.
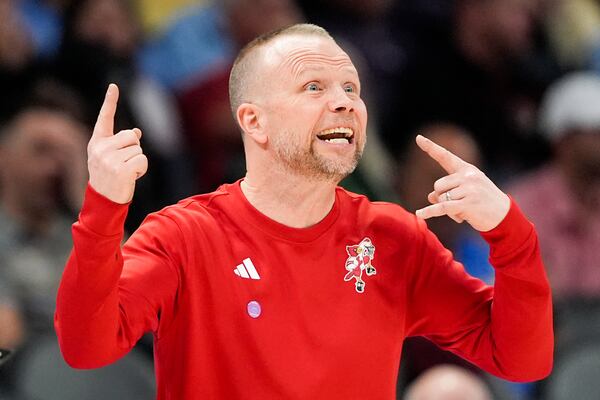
339,135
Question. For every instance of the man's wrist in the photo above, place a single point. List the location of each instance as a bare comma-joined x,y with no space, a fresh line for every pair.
102,215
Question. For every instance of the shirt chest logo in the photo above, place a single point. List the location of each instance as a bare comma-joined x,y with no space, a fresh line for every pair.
246,270
359,261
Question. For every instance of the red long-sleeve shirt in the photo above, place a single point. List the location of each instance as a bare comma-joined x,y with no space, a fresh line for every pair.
243,307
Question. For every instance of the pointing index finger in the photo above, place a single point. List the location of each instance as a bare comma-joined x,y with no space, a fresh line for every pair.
106,117
449,161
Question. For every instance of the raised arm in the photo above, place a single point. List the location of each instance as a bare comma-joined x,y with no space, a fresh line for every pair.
507,329
104,304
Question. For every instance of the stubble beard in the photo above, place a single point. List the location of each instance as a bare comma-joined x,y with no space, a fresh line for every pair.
309,163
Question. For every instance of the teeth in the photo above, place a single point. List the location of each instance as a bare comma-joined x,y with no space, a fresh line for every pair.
338,141
348,132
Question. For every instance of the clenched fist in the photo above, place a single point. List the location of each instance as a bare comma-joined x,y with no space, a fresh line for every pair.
115,161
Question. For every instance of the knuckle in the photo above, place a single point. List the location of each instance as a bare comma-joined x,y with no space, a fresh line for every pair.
472,174
473,171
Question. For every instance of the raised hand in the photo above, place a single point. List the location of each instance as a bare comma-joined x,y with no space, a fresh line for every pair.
465,194
115,162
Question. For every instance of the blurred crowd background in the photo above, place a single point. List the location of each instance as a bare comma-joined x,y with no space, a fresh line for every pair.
512,86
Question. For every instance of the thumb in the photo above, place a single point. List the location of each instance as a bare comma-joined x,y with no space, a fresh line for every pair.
106,117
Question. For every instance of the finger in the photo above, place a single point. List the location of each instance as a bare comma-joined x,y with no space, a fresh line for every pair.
138,165
456,193
138,132
125,138
446,183
439,209
127,153
450,162
105,124
433,197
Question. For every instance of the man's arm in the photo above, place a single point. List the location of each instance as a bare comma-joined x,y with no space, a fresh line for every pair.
107,297
506,330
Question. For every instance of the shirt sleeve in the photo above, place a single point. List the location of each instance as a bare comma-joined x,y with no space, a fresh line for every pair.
108,296
506,329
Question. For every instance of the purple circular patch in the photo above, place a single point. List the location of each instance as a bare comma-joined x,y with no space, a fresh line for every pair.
254,309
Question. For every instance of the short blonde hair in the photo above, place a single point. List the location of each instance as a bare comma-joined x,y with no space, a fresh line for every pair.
243,66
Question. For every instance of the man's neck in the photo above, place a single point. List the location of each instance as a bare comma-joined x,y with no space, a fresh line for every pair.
291,200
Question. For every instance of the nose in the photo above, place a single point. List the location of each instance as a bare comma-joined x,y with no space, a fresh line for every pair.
340,101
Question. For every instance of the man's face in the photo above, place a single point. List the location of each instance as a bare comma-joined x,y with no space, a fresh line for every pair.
36,156
316,120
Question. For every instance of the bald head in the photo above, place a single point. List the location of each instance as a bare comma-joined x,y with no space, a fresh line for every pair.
246,70
448,382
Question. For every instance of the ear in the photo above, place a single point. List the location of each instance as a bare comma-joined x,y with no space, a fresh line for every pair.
250,118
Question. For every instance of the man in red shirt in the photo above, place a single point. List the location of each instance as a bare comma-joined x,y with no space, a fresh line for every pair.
283,285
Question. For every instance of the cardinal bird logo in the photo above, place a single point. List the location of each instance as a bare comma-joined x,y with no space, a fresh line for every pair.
359,260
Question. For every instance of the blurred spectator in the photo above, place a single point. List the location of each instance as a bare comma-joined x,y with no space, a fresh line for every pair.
447,382
100,42
486,73
43,174
563,197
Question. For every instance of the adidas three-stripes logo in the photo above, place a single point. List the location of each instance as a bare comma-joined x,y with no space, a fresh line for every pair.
246,270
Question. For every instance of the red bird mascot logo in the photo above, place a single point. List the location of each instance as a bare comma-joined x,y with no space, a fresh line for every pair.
359,260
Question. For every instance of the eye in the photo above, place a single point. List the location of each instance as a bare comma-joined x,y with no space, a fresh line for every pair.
312,87
349,89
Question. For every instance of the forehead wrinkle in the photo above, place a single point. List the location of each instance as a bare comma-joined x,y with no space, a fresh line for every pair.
301,62
291,58
313,62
